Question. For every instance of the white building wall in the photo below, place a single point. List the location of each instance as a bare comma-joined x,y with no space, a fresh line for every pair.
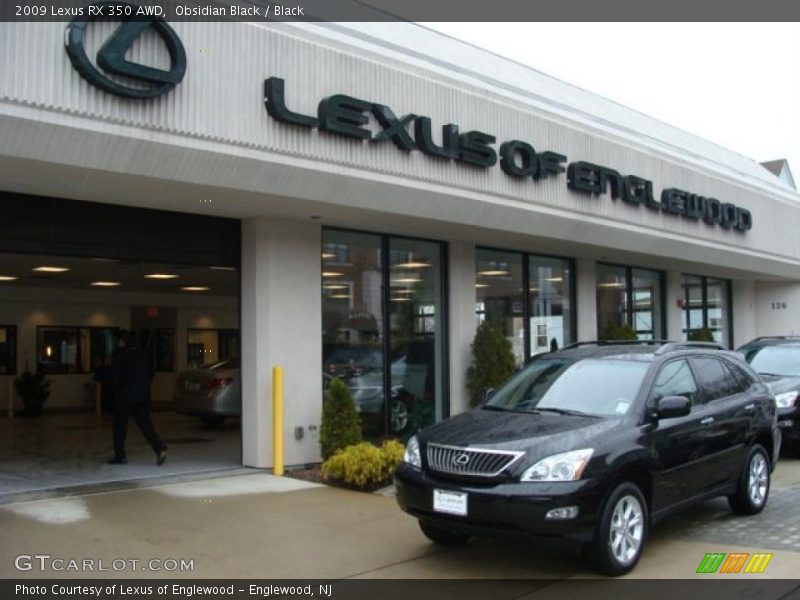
777,308
586,298
745,325
282,317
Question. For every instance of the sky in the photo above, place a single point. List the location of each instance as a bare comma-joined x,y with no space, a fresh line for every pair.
735,84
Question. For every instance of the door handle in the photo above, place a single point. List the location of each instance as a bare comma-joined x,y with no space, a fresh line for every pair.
707,421
750,407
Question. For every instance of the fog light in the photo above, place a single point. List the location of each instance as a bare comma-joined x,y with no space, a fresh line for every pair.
566,512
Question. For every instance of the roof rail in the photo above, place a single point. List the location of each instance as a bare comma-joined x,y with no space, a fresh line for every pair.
675,346
774,337
616,343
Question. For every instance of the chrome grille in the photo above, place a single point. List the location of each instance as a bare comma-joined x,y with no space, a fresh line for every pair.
470,462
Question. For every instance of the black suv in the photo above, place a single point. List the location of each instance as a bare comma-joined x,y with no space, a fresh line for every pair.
777,360
594,443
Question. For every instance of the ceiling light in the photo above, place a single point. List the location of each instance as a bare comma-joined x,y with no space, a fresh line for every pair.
335,286
407,280
403,291
161,276
105,283
328,255
613,284
215,268
493,273
481,285
534,289
340,296
554,279
195,288
401,299
47,269
413,264
331,274
8,278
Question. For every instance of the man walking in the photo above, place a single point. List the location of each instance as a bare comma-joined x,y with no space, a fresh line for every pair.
133,372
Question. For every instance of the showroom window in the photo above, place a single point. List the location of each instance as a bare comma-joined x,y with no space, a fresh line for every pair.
706,305
208,346
72,350
384,328
629,296
500,280
8,350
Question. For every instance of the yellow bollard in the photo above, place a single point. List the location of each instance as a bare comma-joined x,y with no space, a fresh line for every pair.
277,420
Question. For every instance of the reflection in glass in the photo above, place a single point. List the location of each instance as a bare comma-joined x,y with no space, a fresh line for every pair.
612,300
57,350
550,282
354,269
415,309
628,296
498,292
352,321
706,305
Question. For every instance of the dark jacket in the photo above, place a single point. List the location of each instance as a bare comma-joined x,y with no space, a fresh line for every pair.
133,373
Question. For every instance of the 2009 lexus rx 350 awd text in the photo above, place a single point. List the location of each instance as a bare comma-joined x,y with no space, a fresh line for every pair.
595,443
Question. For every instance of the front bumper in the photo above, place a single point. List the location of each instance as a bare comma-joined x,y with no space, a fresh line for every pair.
510,508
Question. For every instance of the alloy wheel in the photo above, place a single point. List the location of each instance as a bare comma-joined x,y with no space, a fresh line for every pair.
627,530
758,479
399,416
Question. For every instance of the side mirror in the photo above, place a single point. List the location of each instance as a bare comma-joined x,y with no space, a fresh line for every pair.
487,393
671,407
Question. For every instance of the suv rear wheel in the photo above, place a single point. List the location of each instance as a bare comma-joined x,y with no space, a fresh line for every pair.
752,489
622,531
442,536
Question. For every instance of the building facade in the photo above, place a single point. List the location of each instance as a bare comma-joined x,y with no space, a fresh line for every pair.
396,188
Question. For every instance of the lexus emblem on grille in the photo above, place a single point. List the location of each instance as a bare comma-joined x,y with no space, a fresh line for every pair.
461,459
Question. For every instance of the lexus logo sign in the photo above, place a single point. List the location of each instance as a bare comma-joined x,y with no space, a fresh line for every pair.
461,460
111,59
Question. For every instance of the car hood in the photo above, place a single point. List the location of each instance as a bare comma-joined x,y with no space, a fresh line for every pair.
539,434
778,384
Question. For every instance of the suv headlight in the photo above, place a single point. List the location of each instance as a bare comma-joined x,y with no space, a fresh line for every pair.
786,399
567,466
411,455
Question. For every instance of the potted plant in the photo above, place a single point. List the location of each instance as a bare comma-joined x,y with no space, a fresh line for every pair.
34,391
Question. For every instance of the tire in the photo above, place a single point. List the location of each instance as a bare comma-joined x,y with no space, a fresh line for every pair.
752,489
441,536
622,531
399,417
212,420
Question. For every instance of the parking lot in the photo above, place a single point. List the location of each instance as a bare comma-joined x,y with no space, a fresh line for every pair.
259,526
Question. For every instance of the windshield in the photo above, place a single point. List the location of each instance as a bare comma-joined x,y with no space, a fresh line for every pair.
597,387
776,360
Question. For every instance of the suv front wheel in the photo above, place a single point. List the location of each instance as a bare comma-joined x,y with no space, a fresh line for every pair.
752,490
622,531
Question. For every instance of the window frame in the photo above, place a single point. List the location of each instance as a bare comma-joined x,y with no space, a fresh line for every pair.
728,300
629,312
77,329
526,286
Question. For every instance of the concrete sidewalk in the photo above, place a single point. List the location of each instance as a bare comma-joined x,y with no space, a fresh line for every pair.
260,526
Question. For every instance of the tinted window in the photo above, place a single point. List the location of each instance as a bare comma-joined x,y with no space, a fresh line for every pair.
715,379
777,360
599,387
676,379
743,380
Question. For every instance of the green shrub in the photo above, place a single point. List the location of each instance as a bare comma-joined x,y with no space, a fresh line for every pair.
341,425
622,332
704,334
492,362
363,465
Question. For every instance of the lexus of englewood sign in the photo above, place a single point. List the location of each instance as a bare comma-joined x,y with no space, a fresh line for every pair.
347,116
